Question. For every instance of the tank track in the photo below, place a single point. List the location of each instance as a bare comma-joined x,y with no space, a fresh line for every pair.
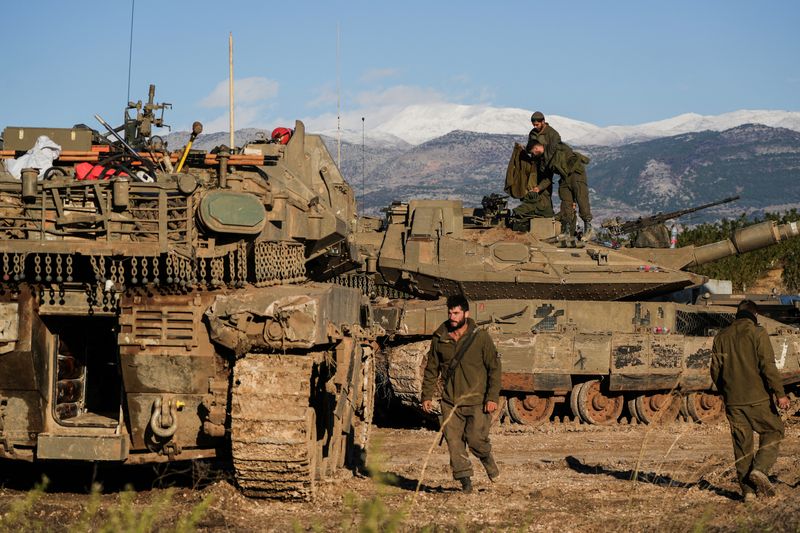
273,428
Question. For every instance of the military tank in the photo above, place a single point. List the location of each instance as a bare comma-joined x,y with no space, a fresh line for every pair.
160,306
595,328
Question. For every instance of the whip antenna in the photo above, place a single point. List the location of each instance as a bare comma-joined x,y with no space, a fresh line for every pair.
130,53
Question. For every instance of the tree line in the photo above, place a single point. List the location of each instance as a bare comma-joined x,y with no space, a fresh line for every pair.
744,270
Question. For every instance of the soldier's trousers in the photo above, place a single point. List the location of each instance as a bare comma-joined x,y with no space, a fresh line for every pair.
761,418
574,190
467,427
534,205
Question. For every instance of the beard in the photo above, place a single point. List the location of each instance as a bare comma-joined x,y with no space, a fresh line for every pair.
457,325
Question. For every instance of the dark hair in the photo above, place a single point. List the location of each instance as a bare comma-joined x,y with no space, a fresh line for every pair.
457,300
749,306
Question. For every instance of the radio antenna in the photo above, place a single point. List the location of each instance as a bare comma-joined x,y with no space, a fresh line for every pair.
130,53
338,105
363,165
230,84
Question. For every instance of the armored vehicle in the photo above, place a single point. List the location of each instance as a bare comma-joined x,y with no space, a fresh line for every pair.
594,328
152,315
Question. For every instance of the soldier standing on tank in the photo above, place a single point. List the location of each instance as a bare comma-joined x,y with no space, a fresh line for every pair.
572,187
743,369
467,361
544,134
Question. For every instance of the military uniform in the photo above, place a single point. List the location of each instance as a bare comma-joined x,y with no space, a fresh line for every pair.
572,187
548,137
521,178
475,380
743,369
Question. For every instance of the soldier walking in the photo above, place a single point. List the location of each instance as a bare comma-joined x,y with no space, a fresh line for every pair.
743,369
466,360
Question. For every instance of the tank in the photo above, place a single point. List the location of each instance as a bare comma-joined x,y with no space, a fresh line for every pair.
596,329
161,306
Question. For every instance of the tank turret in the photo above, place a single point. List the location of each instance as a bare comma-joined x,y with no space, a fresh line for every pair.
149,314
433,248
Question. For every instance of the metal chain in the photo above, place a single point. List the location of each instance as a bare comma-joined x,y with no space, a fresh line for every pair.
37,268
48,269
144,270
69,269
59,270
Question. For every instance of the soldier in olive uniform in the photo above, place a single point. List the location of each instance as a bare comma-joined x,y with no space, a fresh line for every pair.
572,187
470,369
743,369
544,134
535,191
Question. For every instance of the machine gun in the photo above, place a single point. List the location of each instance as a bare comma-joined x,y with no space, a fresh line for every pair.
618,227
494,208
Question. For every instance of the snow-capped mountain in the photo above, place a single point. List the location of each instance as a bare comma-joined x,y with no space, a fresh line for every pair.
420,123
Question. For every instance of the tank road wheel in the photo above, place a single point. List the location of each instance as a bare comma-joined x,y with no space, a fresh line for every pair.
595,407
532,410
573,401
656,408
703,407
273,428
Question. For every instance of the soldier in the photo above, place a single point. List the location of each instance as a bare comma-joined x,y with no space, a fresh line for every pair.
525,183
544,134
572,187
743,369
470,369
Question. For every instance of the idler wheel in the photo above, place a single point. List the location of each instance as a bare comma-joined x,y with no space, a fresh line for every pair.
594,407
655,408
531,410
703,407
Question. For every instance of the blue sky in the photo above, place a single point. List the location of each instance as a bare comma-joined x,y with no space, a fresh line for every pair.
608,63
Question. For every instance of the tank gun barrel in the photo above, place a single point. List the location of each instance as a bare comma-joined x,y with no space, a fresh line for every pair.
745,240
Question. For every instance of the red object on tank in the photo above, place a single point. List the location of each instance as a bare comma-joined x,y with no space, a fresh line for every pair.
88,171
282,135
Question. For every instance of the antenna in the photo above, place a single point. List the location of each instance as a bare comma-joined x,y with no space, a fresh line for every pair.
130,53
363,166
338,105
230,83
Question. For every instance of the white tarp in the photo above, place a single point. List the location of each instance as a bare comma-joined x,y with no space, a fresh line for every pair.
41,156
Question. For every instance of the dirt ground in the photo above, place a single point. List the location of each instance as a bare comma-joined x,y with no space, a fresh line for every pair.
561,477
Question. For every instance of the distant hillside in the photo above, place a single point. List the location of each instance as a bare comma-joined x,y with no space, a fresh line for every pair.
760,163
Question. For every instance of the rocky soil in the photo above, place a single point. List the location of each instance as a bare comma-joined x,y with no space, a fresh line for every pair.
560,477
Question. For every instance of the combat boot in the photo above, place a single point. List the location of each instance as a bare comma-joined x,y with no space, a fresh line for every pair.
466,485
762,483
492,471
566,236
588,232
